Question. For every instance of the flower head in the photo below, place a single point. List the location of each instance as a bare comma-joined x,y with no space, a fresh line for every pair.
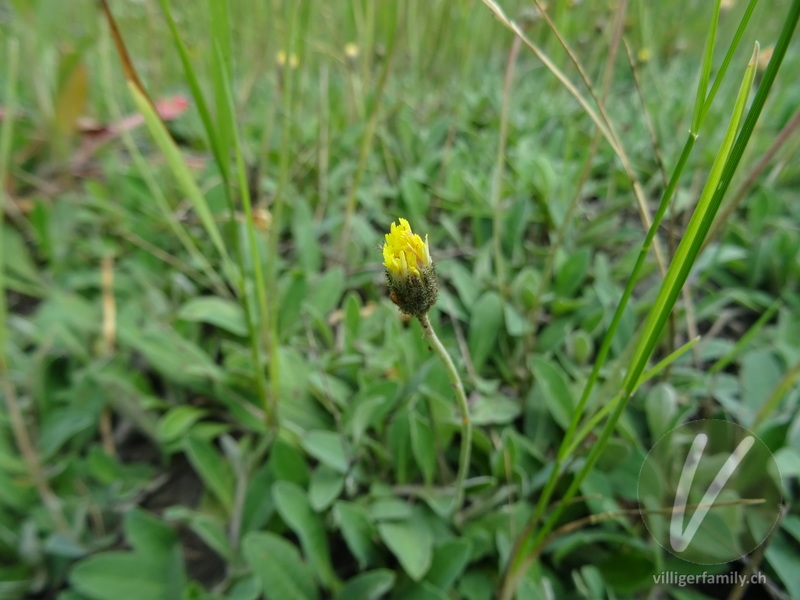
283,59
410,272
351,51
404,252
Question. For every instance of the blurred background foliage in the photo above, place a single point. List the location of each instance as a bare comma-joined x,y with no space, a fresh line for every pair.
243,414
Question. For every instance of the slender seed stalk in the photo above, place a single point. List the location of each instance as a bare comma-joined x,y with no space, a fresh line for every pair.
461,398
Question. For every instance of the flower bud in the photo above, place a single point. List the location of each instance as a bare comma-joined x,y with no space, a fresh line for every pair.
410,272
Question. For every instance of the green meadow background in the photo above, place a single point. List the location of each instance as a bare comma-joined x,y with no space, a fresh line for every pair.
206,393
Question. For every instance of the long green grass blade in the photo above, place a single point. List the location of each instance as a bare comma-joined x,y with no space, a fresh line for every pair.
723,69
598,417
153,186
687,251
179,168
220,80
256,312
196,90
665,362
705,73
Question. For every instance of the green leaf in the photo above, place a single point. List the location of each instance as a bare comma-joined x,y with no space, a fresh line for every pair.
247,588
782,556
177,421
661,406
226,314
389,508
371,585
484,326
148,534
760,373
572,272
412,543
212,468
422,445
479,585
449,561
294,290
306,237
153,570
173,356
288,464
788,461
516,323
552,384
524,287
464,282
294,508
328,289
119,576
326,485
421,591
399,434
326,447
283,574
60,425
258,503
494,410
212,531
357,530
352,317
365,414
18,260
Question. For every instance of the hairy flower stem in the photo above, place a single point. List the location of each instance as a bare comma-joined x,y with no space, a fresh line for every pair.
461,398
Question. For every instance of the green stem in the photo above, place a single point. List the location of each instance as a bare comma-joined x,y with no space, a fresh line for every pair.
461,398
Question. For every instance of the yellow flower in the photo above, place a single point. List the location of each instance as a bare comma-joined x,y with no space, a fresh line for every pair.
410,272
283,59
351,51
404,252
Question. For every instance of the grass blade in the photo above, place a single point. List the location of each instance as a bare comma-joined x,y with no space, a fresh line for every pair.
163,138
257,318
705,73
197,92
723,69
178,167
686,255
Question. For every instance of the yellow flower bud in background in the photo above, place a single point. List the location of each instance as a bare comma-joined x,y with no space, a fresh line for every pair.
410,272
351,51
283,59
